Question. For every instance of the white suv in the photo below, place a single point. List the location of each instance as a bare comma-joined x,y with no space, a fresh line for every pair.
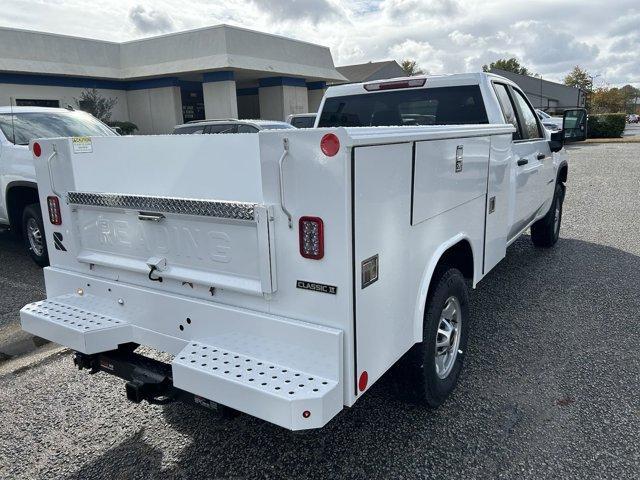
552,123
19,201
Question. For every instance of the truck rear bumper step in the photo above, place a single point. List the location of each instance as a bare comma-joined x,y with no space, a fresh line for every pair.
280,394
80,323
297,391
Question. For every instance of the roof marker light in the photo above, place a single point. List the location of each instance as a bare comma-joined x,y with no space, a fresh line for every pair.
411,83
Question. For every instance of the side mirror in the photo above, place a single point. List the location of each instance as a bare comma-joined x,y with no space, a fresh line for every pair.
557,141
574,125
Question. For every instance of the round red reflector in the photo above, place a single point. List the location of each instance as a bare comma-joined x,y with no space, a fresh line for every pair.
306,414
364,379
37,149
330,144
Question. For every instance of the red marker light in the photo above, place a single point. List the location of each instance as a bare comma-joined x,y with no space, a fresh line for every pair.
37,149
330,144
364,379
306,414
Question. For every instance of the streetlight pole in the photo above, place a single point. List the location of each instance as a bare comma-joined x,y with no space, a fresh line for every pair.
590,91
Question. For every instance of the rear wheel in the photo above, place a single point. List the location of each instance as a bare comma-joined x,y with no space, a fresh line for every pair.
546,231
431,368
33,234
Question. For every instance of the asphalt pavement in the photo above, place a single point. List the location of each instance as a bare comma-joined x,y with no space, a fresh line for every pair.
550,387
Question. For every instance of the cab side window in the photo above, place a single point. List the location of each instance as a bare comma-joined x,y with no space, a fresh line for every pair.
243,128
507,108
220,128
530,126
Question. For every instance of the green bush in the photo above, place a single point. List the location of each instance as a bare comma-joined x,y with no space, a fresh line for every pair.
608,125
127,128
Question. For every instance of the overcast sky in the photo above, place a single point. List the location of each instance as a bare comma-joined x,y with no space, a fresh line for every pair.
444,36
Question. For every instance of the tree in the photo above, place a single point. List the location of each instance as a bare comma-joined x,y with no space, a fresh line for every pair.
92,102
508,65
410,67
579,78
631,98
607,100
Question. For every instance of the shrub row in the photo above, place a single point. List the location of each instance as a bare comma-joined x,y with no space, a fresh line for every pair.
608,125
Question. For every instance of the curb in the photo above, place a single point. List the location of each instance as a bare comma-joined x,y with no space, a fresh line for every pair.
633,139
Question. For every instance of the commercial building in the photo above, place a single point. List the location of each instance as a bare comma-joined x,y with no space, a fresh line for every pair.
367,72
549,96
214,72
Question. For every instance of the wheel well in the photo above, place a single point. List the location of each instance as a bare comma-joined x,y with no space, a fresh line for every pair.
458,256
562,173
19,197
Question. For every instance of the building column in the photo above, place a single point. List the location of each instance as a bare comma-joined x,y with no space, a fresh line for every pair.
154,105
219,92
315,92
282,96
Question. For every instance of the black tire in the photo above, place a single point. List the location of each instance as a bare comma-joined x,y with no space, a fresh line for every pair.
546,231
31,218
417,372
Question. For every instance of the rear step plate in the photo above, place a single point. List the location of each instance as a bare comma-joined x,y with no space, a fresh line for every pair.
73,320
280,394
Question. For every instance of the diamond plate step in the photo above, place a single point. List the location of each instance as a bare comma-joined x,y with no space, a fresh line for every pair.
280,394
78,322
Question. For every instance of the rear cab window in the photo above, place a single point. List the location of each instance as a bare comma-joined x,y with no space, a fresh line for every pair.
456,105
303,122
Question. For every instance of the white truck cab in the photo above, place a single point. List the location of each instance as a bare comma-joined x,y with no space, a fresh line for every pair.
286,271
18,189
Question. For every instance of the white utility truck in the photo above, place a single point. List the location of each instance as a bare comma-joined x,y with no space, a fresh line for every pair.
286,271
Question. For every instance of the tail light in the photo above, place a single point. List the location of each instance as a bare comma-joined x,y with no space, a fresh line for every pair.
54,210
311,231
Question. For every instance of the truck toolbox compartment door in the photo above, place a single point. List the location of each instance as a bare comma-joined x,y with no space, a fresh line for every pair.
190,209
213,243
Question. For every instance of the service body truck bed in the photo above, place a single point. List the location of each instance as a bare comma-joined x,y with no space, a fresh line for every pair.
285,271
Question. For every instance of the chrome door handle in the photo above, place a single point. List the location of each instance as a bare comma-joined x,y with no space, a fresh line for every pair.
151,217
522,161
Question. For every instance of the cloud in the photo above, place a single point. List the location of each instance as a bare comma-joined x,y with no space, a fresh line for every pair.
625,24
313,10
445,36
544,45
150,21
423,53
462,39
415,9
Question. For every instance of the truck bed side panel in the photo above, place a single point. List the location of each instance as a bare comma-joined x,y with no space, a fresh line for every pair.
389,311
